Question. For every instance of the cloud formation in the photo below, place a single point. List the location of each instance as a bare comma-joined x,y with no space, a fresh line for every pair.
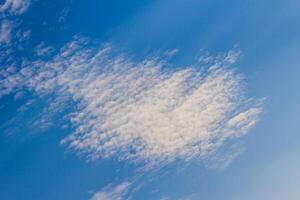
140,111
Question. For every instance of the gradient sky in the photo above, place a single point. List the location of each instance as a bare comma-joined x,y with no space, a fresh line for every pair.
170,99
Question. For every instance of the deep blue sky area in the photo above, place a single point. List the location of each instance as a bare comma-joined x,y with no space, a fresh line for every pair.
260,163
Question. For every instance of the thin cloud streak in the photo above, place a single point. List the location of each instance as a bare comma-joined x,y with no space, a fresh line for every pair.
116,193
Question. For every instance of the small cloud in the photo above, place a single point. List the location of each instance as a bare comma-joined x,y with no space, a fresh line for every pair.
171,52
6,29
43,50
118,192
232,56
21,36
10,35
61,16
26,34
19,95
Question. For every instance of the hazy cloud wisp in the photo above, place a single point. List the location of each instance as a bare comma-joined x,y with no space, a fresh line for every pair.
116,193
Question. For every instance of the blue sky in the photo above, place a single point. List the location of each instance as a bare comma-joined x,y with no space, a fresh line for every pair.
164,100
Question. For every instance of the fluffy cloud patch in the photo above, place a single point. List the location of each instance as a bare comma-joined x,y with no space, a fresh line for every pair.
6,28
141,111
15,7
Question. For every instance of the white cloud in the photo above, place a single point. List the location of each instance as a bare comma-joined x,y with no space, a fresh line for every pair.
6,29
15,7
141,111
10,36
43,50
171,52
112,193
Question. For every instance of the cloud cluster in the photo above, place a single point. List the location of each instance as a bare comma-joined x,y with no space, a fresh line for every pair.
140,111
11,34
15,7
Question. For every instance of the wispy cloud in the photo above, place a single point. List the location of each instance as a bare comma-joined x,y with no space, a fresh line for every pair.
112,193
222,159
141,111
